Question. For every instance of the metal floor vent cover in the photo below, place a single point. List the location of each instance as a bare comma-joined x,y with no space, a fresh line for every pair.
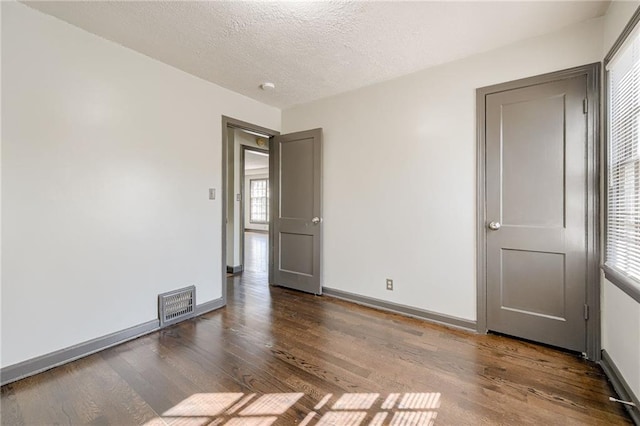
177,305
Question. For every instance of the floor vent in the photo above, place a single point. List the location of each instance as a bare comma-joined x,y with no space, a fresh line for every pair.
176,305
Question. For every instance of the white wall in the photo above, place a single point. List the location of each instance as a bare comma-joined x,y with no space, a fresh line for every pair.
107,157
233,251
621,333
620,313
400,172
253,174
1,133
239,138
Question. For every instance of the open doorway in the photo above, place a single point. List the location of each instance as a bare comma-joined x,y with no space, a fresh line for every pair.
294,243
246,242
248,155
254,229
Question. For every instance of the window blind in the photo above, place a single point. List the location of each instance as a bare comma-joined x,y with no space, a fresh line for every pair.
623,177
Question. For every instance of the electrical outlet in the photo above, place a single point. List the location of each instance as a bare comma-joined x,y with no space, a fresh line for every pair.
389,284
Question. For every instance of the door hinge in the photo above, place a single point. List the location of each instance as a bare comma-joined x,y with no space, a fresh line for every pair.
585,106
586,311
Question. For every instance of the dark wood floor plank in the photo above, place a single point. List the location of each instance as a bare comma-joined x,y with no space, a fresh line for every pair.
111,390
10,411
252,363
40,400
289,356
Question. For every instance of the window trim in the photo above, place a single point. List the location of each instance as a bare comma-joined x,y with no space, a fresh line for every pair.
624,282
259,222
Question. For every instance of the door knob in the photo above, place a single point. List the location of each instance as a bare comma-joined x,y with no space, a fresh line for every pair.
315,220
494,226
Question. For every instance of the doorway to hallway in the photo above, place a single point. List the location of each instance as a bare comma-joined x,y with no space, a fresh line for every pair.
254,224
293,218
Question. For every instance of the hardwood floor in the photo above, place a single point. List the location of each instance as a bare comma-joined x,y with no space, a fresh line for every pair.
275,356
256,252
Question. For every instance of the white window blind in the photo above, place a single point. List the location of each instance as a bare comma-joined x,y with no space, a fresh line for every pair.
623,177
259,207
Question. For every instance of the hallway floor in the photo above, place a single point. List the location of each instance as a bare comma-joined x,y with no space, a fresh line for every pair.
256,252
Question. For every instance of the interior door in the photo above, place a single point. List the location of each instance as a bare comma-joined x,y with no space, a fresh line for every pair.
536,174
297,210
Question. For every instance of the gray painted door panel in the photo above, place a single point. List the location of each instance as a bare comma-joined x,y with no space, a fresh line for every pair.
536,189
297,193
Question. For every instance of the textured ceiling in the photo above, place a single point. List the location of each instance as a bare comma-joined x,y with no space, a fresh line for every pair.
312,50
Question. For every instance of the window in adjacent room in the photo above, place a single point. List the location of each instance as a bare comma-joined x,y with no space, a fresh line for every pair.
259,201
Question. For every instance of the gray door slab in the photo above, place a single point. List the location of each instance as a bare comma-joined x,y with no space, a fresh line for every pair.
297,210
536,174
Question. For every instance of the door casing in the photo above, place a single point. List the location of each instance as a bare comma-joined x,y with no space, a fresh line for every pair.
228,122
592,73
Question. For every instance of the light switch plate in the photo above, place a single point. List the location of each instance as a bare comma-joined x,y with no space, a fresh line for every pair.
212,193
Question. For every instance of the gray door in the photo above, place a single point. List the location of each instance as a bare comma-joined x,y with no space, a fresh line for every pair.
536,179
297,210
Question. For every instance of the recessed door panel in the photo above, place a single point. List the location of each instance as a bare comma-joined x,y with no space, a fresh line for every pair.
296,196
536,174
533,162
296,253
533,282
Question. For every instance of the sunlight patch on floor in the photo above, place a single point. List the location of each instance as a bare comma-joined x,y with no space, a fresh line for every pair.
416,401
349,409
203,405
346,418
272,403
